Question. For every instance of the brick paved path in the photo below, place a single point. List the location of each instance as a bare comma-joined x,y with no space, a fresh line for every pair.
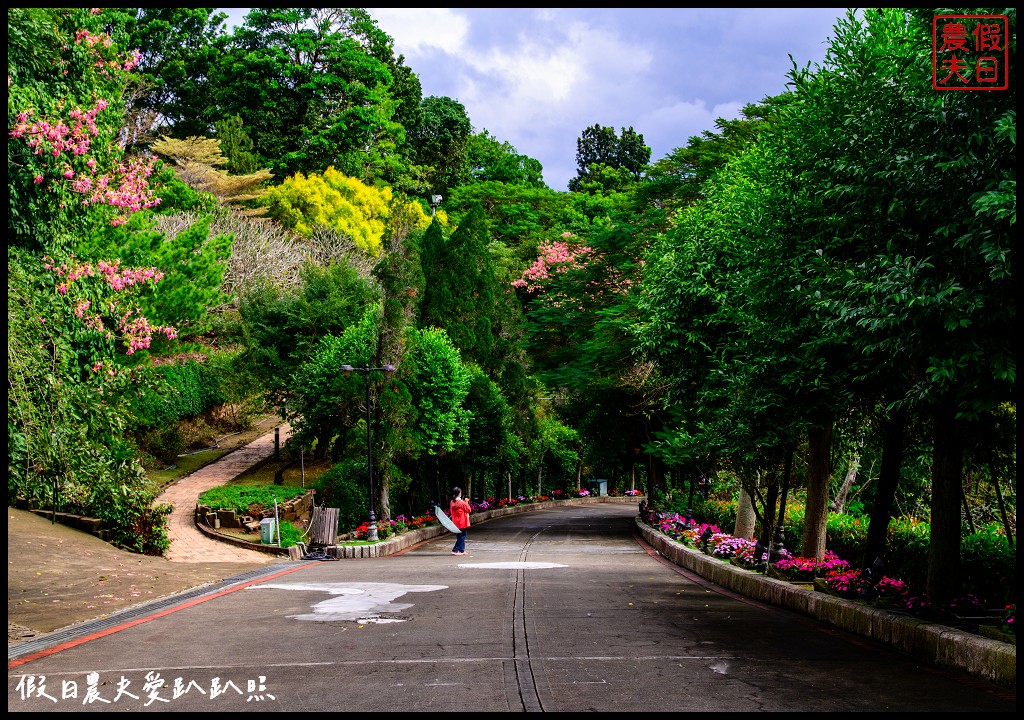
187,543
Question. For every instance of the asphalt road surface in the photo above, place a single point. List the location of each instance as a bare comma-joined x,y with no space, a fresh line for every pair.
555,610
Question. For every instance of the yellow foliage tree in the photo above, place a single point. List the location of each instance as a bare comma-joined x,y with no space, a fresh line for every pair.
339,202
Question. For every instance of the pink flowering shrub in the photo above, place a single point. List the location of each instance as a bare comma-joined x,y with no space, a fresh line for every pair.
64,144
724,545
805,568
555,258
103,313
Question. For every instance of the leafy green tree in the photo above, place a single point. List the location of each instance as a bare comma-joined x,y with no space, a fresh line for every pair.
607,160
324,402
675,180
179,50
460,292
312,89
438,384
919,260
737,337
237,146
493,161
558,440
441,143
281,327
519,216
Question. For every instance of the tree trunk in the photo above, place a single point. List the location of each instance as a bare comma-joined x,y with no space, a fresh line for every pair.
839,504
770,498
778,543
744,516
819,442
999,499
385,497
888,481
947,487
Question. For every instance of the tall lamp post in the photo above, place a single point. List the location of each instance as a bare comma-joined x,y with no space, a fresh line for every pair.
371,534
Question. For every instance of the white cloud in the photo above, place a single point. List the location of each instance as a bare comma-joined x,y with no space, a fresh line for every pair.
421,31
546,83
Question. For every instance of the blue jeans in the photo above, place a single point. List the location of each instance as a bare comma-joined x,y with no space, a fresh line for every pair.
460,542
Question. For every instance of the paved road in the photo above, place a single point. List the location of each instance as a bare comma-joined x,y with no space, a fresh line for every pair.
554,610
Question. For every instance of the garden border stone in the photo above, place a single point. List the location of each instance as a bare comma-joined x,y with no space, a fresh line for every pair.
935,644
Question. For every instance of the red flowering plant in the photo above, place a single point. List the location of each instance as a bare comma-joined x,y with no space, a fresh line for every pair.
675,526
1009,619
967,605
855,585
807,568
693,534
847,583
745,556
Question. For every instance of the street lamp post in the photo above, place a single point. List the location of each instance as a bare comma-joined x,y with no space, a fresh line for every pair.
371,534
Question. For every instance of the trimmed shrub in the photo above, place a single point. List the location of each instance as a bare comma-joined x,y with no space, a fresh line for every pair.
183,391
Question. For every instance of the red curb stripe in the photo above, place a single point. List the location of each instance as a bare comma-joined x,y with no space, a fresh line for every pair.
138,621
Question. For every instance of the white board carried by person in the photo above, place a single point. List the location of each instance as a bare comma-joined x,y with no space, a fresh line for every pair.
445,520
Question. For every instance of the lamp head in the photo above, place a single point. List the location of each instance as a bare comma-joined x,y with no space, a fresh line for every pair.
347,369
388,368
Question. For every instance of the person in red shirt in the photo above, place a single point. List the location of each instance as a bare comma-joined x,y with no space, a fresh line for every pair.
459,511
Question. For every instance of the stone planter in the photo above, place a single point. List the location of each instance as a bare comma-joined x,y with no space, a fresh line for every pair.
994,633
779,575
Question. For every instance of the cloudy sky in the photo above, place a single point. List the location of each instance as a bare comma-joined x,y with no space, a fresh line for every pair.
537,77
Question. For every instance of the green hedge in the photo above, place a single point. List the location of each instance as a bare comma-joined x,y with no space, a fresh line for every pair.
180,391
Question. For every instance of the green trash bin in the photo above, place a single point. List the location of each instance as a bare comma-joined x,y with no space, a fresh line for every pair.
268,531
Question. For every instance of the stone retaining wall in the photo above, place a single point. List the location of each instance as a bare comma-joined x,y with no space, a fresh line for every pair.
93,526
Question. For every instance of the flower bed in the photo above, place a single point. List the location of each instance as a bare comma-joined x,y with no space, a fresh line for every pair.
829,574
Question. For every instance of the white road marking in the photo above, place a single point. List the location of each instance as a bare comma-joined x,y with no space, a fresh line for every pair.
357,602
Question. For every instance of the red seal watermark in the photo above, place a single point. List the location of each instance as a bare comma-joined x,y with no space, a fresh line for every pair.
970,52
